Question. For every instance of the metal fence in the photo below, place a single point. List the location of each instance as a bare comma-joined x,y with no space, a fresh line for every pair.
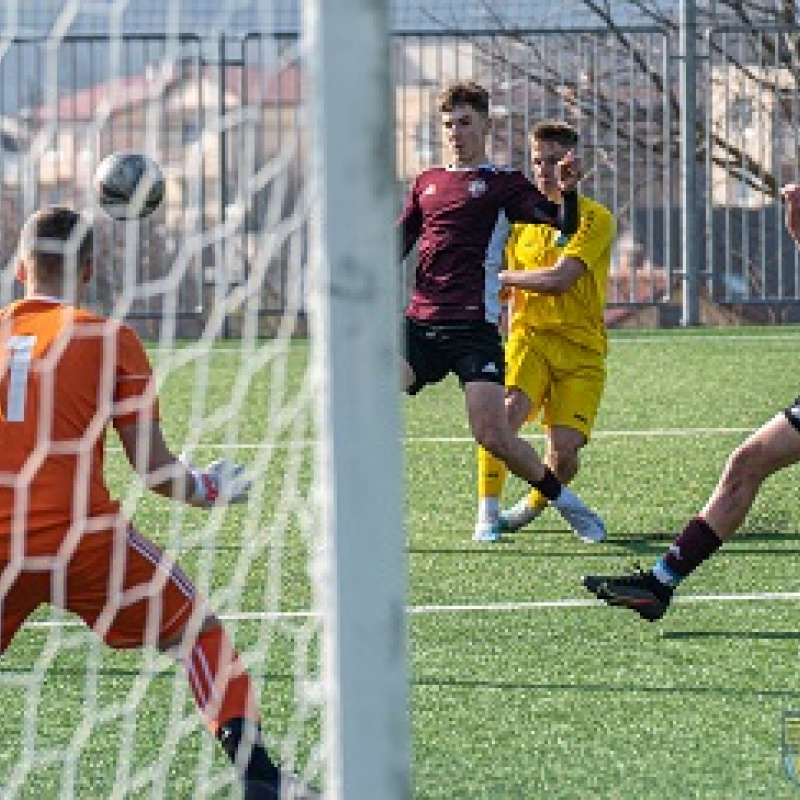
622,90
224,118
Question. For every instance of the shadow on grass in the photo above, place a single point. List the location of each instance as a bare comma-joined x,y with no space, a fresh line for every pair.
746,635
654,543
642,544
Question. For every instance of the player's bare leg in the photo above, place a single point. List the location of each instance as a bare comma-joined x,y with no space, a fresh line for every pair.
563,446
773,447
486,412
492,471
490,427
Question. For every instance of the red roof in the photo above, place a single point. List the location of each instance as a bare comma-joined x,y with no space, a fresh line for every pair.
285,87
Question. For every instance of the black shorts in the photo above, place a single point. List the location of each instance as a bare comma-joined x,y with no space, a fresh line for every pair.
472,350
793,413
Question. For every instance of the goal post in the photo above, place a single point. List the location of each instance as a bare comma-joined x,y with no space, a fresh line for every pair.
362,564
265,290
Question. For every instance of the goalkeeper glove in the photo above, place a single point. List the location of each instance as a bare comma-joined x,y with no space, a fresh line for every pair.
220,482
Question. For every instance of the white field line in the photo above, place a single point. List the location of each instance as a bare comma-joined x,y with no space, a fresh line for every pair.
660,338
483,608
645,432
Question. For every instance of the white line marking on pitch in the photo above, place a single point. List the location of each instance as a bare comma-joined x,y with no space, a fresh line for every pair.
715,337
458,439
485,608
603,434
537,605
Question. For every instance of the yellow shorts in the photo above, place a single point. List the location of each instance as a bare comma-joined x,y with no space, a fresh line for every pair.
563,380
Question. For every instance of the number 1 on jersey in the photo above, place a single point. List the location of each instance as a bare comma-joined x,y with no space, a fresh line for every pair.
21,356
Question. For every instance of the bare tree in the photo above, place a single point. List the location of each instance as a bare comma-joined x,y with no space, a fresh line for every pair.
612,69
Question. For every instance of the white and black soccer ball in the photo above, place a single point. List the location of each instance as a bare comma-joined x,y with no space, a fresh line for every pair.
128,186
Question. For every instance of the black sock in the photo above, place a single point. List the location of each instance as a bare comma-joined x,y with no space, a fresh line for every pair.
257,763
548,485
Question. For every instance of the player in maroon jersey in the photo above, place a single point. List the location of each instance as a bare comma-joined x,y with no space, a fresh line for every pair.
773,447
451,214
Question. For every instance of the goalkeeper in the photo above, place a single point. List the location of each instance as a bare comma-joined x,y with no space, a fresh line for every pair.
67,374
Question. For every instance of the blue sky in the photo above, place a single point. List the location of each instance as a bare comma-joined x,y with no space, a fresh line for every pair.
36,17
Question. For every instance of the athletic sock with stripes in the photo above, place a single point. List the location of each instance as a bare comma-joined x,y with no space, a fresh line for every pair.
224,694
696,543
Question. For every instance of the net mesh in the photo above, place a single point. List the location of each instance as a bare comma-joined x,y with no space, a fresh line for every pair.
214,282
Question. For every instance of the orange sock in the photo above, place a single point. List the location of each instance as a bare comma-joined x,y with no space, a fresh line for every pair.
220,683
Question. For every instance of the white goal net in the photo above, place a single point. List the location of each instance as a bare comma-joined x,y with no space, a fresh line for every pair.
247,286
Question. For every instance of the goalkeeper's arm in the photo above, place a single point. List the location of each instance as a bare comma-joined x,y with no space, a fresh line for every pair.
170,476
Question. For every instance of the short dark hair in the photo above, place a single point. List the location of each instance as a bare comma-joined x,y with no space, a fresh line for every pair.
56,235
464,93
553,130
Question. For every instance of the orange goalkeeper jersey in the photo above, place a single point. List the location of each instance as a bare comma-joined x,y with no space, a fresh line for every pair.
64,375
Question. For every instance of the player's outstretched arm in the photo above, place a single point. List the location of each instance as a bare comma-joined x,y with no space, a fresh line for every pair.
551,280
172,476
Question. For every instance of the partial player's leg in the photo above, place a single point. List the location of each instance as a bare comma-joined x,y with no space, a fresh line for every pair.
492,472
527,377
124,588
563,445
489,424
21,593
569,408
773,447
407,376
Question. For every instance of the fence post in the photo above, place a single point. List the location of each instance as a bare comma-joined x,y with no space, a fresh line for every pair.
688,127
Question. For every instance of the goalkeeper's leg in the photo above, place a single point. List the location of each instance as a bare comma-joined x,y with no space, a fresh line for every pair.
171,616
224,694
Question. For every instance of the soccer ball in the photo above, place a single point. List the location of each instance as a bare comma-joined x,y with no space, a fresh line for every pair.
128,186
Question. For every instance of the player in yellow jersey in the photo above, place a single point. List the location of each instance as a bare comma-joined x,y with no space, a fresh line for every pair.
556,349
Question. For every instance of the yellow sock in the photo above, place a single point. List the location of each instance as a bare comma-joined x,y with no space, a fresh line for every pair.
537,500
491,474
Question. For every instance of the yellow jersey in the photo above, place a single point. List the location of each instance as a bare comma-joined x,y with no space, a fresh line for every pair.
577,314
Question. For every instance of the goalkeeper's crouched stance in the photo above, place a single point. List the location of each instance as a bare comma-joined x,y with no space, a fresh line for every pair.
65,374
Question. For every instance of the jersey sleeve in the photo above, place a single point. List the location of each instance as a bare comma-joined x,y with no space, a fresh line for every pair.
134,386
497,245
593,237
409,224
523,202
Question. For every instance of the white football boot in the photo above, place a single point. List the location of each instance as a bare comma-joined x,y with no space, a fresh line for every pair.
585,522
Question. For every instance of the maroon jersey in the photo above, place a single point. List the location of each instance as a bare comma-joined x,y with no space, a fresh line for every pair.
452,214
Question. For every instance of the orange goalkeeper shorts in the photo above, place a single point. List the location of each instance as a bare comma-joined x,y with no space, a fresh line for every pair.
117,581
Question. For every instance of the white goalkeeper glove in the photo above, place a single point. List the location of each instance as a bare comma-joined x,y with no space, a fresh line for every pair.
221,482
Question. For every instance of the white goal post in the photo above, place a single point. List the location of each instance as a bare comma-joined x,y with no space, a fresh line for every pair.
356,357
265,292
